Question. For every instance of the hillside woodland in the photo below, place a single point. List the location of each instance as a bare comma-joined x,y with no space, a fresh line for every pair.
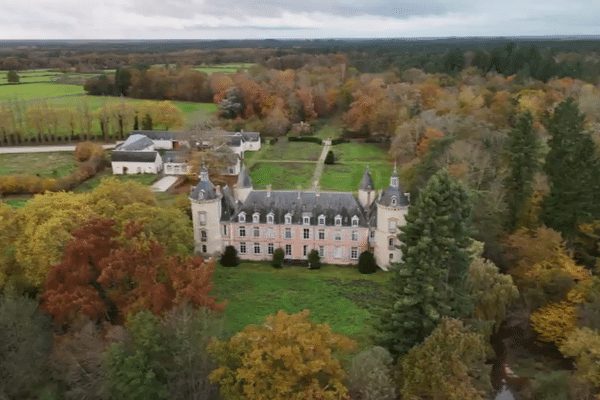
103,298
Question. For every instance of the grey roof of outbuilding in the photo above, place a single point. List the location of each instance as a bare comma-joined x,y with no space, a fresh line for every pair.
157,135
235,141
367,182
244,180
251,136
176,156
282,202
134,143
134,156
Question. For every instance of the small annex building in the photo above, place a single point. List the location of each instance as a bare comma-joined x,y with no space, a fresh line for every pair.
338,225
135,156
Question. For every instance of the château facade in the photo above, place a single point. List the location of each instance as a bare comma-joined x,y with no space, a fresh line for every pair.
338,225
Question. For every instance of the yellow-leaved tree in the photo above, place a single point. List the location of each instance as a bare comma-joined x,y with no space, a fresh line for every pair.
288,357
8,235
45,224
583,344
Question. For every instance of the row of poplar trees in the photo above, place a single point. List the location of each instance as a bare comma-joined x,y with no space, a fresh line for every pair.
431,281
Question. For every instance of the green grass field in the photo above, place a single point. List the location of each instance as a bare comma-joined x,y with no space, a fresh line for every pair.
282,175
91,184
29,91
17,202
340,296
346,176
230,68
50,165
287,151
47,75
364,152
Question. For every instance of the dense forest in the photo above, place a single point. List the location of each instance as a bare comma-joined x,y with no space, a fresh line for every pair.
497,141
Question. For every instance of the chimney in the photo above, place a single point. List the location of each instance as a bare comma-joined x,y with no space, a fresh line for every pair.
317,190
299,191
268,190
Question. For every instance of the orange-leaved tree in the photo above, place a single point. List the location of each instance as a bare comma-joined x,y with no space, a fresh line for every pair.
288,357
105,280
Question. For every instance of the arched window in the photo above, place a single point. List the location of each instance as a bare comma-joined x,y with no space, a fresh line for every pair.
355,221
338,220
201,195
255,218
242,217
288,219
394,200
270,218
321,219
306,220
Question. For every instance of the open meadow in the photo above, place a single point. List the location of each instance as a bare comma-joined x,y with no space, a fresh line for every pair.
31,91
46,165
340,296
282,175
48,75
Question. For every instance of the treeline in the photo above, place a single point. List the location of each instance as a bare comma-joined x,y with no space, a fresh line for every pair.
24,122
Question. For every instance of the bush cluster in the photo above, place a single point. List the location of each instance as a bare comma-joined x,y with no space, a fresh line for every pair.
338,141
330,158
311,139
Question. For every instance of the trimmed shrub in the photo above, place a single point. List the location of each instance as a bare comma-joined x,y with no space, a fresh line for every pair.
86,150
329,159
338,141
314,260
229,257
272,141
366,263
278,256
311,139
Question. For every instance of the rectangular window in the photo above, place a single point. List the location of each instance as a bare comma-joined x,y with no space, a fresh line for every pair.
337,252
392,226
242,231
338,236
203,236
202,218
321,234
224,230
321,251
304,250
256,231
306,220
288,233
243,248
372,234
270,219
288,249
306,234
270,249
391,244
354,236
270,232
256,248
354,253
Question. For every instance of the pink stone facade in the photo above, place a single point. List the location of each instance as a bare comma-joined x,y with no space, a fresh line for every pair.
336,244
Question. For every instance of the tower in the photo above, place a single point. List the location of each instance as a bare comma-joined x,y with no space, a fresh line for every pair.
366,190
392,207
244,185
206,215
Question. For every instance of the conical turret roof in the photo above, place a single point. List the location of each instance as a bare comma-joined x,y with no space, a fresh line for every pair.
367,182
244,180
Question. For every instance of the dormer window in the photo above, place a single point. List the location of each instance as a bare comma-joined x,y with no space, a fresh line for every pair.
201,195
338,220
355,221
394,200
255,218
242,217
306,220
270,218
288,219
321,220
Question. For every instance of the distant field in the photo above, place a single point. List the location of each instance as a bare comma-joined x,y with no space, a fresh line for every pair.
282,175
37,91
51,165
340,296
230,68
46,75
347,176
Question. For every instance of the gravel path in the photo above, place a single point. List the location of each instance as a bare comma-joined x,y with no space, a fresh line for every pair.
43,149
320,163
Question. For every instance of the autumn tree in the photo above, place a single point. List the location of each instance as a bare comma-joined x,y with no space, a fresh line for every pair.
524,152
105,280
431,280
8,236
583,344
573,167
288,356
371,375
448,365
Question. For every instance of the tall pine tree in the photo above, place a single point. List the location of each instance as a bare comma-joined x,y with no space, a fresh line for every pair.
524,151
573,168
430,282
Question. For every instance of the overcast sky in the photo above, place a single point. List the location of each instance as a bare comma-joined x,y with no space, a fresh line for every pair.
239,19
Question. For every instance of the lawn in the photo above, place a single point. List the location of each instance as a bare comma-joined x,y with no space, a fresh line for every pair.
46,75
51,165
282,175
230,68
288,151
352,151
29,91
339,296
17,202
91,184
347,176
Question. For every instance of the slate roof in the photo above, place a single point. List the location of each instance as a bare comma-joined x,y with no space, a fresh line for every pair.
244,180
159,135
251,136
134,142
386,196
134,156
227,204
176,157
205,187
235,141
367,182
282,202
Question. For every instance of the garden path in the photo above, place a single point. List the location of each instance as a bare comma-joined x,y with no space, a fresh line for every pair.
320,163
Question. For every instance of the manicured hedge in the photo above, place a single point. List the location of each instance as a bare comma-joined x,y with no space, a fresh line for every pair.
312,139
